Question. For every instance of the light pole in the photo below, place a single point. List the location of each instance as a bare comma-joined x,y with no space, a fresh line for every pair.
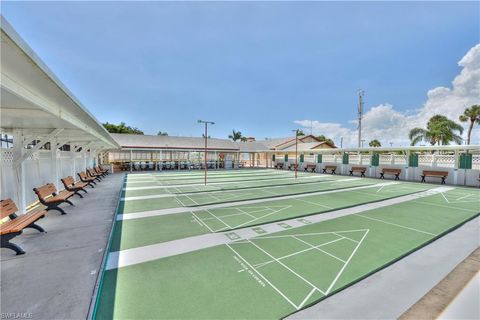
296,151
206,137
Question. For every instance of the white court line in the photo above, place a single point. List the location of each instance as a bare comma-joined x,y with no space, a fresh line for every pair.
444,197
219,219
261,217
320,178
306,298
313,247
152,213
345,237
395,224
314,203
286,267
346,263
443,206
206,226
258,265
150,252
209,193
264,278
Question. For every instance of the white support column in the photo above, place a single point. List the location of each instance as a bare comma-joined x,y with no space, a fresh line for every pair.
72,157
54,162
407,169
131,159
18,150
455,170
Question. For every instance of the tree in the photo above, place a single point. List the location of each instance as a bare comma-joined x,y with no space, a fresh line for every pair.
374,143
243,139
323,138
161,133
236,135
300,133
121,128
471,114
440,130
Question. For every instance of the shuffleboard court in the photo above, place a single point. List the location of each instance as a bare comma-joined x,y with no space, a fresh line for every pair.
273,275
234,185
176,226
188,200
200,179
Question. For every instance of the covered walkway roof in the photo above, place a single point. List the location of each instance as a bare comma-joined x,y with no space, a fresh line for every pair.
34,100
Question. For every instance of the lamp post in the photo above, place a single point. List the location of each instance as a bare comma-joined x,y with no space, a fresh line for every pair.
206,137
296,151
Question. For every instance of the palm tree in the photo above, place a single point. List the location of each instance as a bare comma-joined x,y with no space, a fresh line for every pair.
374,143
471,114
236,135
323,138
440,130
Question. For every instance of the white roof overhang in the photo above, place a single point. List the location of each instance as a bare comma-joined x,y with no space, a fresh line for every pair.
35,101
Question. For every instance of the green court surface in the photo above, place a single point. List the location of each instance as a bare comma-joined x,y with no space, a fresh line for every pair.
274,274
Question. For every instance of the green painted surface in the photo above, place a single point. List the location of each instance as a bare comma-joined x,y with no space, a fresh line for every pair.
146,231
254,279
132,206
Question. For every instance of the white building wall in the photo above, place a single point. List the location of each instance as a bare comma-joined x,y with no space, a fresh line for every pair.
38,170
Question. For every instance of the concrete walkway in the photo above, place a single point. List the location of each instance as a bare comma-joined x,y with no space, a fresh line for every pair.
55,279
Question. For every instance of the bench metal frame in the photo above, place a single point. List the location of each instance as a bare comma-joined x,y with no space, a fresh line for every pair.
397,175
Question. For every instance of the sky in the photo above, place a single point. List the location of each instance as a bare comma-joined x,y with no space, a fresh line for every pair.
263,68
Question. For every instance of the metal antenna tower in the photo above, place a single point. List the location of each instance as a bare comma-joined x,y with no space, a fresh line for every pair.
360,114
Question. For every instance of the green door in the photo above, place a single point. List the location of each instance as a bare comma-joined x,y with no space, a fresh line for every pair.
465,161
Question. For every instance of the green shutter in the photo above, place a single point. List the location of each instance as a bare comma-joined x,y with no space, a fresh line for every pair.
465,161
302,157
345,158
273,157
319,158
286,158
375,160
413,160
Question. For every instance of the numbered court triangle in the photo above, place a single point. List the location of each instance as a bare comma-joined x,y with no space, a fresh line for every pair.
300,267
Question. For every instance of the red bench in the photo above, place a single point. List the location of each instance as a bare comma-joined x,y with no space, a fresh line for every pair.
312,167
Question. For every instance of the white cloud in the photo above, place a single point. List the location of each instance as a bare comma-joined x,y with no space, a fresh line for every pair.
386,124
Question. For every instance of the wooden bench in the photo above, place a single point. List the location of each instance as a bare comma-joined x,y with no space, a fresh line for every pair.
279,165
312,167
434,174
292,166
331,168
15,225
360,170
84,178
70,185
48,196
101,171
92,174
392,171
